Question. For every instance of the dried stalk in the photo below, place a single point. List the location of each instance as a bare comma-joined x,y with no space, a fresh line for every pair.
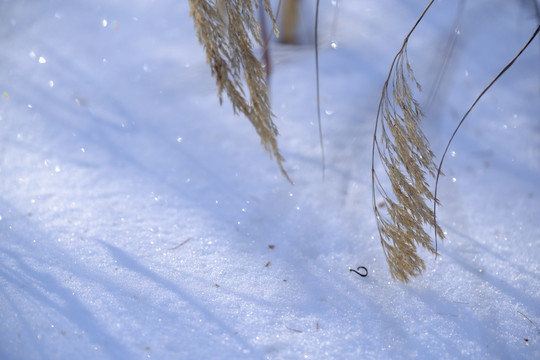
228,29
406,157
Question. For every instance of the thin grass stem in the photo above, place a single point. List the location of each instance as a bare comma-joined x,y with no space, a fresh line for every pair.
465,117
316,35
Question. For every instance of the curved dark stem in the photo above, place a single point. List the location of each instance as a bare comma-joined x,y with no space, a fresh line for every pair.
316,32
463,119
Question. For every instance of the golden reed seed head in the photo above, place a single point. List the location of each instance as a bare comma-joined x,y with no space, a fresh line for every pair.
226,29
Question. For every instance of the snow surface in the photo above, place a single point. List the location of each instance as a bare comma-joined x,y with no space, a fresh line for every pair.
141,219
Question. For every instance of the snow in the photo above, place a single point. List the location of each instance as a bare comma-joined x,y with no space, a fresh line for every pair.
141,219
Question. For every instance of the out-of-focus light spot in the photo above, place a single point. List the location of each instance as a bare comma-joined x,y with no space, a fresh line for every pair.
51,83
334,44
104,22
80,101
32,54
5,95
42,60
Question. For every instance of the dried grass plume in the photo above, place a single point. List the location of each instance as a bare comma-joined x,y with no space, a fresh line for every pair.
406,157
228,30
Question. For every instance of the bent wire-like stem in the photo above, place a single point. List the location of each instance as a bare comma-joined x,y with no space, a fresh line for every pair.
406,157
439,168
226,29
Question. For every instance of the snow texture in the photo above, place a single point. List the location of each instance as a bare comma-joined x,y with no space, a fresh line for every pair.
141,219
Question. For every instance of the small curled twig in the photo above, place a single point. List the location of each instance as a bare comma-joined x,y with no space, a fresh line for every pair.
361,270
